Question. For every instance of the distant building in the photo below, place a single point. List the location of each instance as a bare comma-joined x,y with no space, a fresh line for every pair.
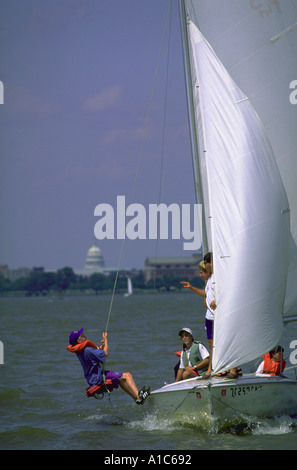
94,260
38,269
4,270
188,268
95,263
14,274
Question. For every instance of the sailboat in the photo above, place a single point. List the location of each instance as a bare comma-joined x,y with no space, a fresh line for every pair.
129,288
245,158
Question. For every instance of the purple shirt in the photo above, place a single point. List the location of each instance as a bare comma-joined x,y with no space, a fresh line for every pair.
90,359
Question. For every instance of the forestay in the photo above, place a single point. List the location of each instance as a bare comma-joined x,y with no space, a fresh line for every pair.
246,211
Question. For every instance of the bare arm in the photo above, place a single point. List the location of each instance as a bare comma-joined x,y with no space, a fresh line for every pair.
179,375
204,363
197,291
104,343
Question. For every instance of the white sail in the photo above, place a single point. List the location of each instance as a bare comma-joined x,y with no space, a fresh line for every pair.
246,208
246,211
129,288
257,43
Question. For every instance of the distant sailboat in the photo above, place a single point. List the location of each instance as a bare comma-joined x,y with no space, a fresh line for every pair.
246,211
129,288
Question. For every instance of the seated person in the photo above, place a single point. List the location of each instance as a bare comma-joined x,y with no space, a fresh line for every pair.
91,357
194,358
273,363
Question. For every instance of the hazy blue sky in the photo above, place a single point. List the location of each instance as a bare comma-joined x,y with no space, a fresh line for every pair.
78,77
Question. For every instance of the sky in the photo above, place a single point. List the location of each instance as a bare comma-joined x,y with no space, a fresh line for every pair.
78,78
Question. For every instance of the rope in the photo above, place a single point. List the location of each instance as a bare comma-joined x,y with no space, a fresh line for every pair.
164,121
138,163
105,383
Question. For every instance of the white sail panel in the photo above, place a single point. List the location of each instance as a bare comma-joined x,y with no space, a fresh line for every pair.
257,43
247,213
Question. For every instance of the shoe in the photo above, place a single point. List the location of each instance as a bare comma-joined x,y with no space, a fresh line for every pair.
205,376
222,374
141,391
143,394
231,376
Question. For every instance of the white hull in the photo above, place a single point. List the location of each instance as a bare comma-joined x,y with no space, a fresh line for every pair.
219,403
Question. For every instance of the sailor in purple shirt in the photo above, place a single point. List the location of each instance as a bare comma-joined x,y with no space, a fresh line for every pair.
91,357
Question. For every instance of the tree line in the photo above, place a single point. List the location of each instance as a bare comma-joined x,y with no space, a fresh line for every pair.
65,279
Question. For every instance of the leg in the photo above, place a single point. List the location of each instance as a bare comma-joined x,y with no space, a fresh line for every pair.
188,374
128,385
210,344
232,374
209,334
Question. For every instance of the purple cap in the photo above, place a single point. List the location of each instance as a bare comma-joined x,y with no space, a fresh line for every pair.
74,335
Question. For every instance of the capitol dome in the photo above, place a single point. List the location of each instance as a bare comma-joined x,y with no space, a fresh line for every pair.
94,260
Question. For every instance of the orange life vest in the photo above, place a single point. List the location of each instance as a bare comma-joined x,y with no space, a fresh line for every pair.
272,368
80,346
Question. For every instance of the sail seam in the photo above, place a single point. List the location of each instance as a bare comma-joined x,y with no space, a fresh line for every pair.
283,33
241,101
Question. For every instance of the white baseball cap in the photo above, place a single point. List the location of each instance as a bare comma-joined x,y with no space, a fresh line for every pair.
188,330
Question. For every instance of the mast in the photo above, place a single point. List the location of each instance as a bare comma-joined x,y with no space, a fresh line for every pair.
192,120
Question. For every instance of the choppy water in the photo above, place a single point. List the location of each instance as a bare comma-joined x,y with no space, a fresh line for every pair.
42,401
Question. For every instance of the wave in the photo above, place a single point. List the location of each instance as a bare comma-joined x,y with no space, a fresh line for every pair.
11,394
27,437
273,426
251,426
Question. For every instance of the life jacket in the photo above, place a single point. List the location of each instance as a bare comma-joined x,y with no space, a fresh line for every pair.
272,368
80,346
194,358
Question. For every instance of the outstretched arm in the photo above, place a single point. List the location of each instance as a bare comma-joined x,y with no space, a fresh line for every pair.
197,291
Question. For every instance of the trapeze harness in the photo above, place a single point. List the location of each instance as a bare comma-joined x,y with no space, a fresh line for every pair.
96,391
272,368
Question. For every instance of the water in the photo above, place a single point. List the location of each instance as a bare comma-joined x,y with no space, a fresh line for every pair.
42,401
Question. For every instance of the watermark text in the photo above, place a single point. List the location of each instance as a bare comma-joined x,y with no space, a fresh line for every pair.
293,94
293,355
136,222
1,353
1,93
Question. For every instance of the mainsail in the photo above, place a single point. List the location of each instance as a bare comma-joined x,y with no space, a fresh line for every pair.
257,43
246,209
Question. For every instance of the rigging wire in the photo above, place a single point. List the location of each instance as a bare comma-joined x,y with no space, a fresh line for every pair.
183,41
164,121
139,161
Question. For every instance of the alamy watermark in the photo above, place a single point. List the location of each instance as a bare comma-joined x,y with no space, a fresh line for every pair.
1,353
293,355
293,94
1,93
137,222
